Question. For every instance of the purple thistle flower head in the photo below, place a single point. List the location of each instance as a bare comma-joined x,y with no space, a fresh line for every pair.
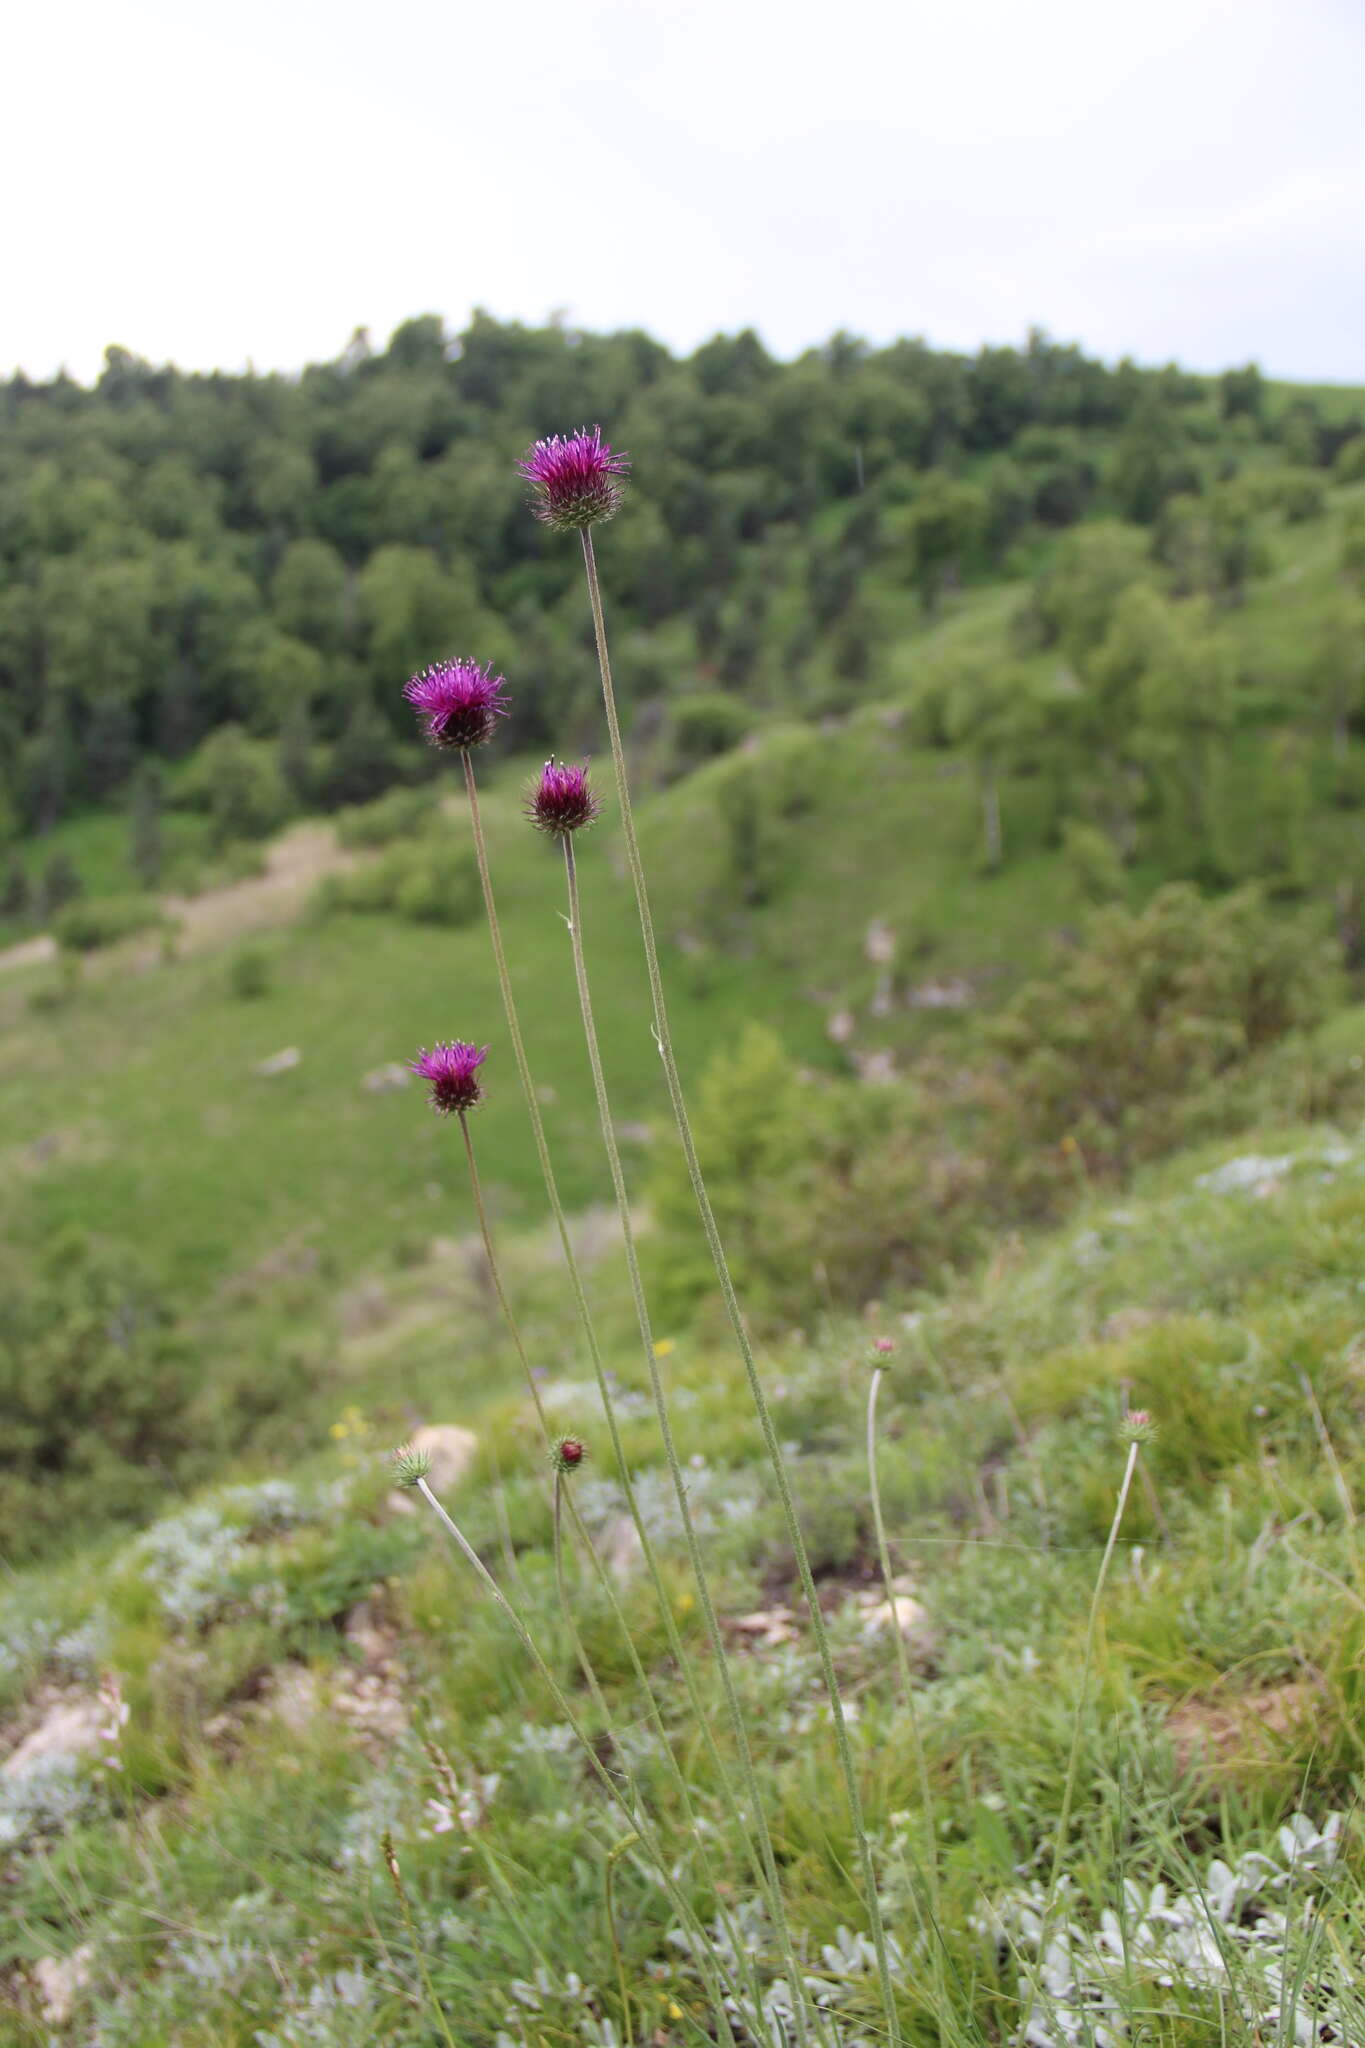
452,1068
460,702
575,478
559,800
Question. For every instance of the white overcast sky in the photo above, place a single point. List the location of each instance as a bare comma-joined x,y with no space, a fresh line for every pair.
1164,178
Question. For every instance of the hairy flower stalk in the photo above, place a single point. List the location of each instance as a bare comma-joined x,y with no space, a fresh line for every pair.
429,1989
636,1819
772,1443
883,1347
451,1069
495,1272
608,1871
532,1101
567,1454
438,1066
749,1776
1136,1430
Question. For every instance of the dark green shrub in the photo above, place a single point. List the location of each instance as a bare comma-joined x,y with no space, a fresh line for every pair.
237,782
105,1396
400,814
250,974
429,881
94,1387
1300,494
761,797
1112,1049
85,926
752,1125
1159,1027
823,1192
1349,467
1094,860
707,725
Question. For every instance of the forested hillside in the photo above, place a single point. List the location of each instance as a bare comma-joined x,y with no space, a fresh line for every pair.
211,586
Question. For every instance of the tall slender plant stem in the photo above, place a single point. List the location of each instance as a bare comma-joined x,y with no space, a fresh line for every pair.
1078,1727
635,1817
884,1555
752,1790
396,1879
772,1443
926,1789
532,1102
1092,1630
564,1498
609,1901
502,1885
585,1665
476,1189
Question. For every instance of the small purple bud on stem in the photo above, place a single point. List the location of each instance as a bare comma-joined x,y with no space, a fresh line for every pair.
1137,1427
883,1346
567,1453
560,800
452,1068
575,479
460,702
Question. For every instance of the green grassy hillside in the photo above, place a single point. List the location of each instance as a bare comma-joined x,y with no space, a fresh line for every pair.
1003,800
306,1667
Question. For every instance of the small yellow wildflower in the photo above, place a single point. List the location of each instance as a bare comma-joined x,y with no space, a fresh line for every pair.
662,1346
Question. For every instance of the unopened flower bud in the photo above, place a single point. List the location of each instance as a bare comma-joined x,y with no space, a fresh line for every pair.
559,800
410,1467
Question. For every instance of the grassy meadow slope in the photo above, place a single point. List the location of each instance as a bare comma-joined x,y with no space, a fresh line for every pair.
305,1668
231,1658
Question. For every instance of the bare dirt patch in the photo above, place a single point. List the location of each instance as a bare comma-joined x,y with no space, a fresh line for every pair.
39,952
295,863
1242,1730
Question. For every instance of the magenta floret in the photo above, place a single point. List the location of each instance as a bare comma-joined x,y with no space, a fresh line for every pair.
452,1069
575,479
460,702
